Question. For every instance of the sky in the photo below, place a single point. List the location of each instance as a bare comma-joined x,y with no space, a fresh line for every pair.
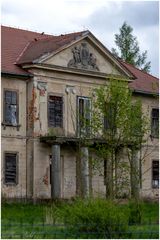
103,18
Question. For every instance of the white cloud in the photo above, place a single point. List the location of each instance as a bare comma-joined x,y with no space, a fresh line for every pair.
103,18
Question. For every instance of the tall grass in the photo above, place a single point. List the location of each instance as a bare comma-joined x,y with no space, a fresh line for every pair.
80,219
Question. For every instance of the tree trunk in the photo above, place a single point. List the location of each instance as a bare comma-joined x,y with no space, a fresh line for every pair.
78,175
109,178
135,178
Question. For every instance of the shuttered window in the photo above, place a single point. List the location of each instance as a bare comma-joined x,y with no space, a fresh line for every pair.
10,108
10,168
55,111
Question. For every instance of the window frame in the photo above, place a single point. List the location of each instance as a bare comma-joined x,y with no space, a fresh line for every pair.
55,95
152,130
154,186
4,107
79,133
17,168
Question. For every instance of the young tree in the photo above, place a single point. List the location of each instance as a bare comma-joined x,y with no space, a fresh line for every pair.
118,124
129,48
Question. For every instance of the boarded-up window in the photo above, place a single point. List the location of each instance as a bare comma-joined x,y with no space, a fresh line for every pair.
55,111
84,116
155,122
10,168
155,174
10,108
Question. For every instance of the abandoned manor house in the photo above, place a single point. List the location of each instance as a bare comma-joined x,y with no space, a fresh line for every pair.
46,86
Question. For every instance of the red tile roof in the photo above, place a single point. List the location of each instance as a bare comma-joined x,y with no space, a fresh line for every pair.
21,46
144,82
38,48
13,41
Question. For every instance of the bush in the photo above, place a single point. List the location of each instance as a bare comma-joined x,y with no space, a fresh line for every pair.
135,210
93,219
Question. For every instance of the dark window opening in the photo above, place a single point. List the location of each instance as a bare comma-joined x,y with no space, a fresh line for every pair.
10,168
109,117
155,174
11,108
55,111
155,123
84,116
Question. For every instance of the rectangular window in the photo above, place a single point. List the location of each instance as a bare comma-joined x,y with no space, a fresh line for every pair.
155,122
10,108
109,117
55,111
84,116
10,168
155,174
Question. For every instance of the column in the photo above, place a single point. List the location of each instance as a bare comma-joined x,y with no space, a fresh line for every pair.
85,171
56,172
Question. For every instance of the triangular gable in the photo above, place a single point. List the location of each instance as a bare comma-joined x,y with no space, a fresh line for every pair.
85,56
81,52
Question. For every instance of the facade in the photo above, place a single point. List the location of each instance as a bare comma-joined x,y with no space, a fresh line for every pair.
46,85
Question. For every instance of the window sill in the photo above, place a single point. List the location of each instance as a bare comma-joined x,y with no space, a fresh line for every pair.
10,125
10,184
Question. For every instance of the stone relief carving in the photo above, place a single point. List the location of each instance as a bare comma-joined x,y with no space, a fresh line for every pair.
42,88
82,58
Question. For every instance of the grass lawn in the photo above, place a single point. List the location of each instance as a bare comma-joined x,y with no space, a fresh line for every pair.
36,221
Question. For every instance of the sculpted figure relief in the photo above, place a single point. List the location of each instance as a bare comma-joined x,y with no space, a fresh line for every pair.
82,58
84,54
76,55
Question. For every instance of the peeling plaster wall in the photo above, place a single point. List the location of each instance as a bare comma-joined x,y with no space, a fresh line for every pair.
69,181
150,149
14,139
34,157
151,154
19,146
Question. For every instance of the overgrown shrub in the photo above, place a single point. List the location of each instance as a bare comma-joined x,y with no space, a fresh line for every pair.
135,212
93,219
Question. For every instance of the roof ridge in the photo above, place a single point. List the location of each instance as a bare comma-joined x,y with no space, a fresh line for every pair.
47,34
26,30
24,49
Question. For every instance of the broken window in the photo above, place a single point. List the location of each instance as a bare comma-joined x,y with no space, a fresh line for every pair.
155,122
84,116
55,111
10,168
10,112
155,174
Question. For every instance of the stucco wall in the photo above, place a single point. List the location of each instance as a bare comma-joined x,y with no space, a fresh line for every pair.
34,157
14,139
14,145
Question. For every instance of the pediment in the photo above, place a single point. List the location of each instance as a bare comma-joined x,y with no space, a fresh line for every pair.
86,55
